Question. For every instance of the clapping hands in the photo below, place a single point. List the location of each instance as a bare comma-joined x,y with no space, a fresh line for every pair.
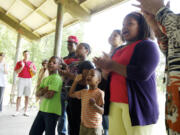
103,62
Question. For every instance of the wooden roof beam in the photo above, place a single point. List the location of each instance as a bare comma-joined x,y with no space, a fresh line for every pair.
10,7
15,25
64,26
113,3
38,11
14,19
35,10
52,20
82,1
75,9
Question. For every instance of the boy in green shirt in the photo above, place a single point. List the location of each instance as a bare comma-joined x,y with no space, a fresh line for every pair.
50,107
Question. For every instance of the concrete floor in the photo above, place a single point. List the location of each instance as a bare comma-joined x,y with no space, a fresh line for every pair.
19,125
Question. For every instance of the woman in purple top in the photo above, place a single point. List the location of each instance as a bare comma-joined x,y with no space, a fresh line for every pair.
133,98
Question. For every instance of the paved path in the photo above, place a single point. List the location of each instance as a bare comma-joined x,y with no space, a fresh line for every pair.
19,125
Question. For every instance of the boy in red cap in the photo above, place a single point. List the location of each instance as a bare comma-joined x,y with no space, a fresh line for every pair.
72,43
73,39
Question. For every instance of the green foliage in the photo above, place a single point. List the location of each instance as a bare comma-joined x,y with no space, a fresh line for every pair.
161,86
39,50
8,46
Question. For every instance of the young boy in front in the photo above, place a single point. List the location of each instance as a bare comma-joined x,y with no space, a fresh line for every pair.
92,101
50,107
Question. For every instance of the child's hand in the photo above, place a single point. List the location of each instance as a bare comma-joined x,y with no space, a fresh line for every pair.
41,92
78,78
22,64
49,94
92,101
63,72
64,66
45,90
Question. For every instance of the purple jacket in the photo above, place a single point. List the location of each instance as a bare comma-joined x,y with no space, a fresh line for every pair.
141,84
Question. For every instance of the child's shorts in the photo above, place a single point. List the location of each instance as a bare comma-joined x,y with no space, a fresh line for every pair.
90,131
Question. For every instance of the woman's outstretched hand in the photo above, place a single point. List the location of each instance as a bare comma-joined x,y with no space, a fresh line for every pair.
104,62
150,6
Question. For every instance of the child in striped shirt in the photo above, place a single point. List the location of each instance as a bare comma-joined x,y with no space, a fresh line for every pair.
92,101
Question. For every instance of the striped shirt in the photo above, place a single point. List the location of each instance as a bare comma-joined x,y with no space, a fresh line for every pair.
90,118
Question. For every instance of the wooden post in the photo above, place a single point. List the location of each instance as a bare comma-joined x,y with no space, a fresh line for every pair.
12,95
59,29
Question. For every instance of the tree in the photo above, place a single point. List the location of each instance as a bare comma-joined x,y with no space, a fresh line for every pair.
39,50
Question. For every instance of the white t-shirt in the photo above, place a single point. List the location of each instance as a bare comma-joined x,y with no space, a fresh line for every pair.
3,78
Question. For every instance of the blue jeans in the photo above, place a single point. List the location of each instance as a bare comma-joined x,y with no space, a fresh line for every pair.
105,124
62,122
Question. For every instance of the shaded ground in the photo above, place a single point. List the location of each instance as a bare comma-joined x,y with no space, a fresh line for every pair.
21,125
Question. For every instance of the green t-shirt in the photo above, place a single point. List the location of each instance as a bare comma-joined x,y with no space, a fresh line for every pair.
52,105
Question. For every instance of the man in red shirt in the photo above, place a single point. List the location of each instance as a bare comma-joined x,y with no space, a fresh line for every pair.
25,70
71,46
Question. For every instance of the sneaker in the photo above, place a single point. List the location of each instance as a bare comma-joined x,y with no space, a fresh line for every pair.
25,114
16,114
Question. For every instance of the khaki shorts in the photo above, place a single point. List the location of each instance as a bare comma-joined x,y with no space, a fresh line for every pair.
24,87
90,131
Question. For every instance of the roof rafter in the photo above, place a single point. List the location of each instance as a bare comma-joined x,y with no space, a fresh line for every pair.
52,20
35,10
113,3
15,25
76,10
64,26
10,7
14,19
82,1
38,11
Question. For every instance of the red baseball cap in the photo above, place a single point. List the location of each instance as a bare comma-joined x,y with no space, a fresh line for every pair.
73,39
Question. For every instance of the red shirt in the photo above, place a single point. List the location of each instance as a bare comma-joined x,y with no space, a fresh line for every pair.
25,73
70,60
118,86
